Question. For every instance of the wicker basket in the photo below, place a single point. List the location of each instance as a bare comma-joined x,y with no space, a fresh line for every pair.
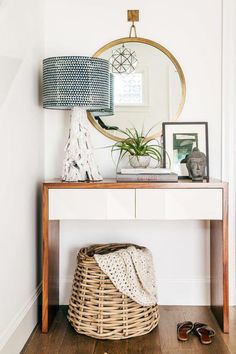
98,309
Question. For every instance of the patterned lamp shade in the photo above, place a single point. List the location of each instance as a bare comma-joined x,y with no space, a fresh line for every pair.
103,112
72,81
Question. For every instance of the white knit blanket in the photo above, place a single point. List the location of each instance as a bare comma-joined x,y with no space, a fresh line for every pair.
131,270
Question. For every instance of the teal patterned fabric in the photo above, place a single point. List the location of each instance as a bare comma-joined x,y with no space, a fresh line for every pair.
71,81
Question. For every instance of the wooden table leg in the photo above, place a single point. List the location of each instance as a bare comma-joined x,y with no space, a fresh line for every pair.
219,266
50,286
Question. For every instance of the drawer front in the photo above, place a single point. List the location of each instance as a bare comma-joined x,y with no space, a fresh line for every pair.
71,204
179,204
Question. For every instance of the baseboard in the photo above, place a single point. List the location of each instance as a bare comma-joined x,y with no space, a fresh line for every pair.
171,291
18,331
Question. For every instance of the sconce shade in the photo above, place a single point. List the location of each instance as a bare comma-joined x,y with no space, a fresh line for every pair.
76,81
103,112
123,60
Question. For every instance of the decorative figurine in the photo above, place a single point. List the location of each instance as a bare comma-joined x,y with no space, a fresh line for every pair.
196,165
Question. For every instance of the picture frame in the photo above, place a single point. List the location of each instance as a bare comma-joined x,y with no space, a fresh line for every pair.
179,138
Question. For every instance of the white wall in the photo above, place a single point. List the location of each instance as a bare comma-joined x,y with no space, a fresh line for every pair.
21,156
192,31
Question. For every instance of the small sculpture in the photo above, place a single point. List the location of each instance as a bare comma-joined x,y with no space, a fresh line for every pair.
196,165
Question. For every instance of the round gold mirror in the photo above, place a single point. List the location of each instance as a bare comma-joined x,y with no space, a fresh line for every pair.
148,96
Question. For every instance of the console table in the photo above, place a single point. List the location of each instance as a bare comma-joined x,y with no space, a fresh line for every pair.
110,200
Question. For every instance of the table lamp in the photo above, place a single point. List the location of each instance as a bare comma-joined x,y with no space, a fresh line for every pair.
77,83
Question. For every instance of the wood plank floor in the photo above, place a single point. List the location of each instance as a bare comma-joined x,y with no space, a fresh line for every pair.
62,338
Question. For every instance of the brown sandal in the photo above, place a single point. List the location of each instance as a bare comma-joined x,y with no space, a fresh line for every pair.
183,330
204,332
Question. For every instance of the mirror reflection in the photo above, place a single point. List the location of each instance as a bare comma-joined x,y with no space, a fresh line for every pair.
154,92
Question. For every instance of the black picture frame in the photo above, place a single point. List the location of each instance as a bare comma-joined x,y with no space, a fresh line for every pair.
196,134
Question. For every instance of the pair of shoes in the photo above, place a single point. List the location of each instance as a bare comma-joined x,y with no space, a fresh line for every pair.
202,330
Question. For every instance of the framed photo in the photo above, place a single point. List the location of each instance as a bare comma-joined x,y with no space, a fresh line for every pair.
179,139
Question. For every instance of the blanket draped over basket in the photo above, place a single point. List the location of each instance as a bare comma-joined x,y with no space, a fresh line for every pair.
131,270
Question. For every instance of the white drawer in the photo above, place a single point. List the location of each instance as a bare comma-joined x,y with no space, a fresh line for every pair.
179,204
70,204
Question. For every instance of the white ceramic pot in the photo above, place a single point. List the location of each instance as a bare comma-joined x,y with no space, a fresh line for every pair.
139,161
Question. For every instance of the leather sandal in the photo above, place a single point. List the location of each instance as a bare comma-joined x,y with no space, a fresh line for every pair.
204,332
183,330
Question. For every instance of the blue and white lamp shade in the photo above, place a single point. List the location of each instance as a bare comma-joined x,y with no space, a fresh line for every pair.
76,81
104,112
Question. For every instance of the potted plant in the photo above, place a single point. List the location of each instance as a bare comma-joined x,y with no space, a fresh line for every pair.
139,148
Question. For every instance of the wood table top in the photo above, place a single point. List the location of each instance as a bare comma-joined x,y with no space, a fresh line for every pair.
114,184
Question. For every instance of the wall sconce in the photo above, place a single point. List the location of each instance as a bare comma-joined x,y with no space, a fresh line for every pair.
123,59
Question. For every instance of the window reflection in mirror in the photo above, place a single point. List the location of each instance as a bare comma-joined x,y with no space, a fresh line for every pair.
128,89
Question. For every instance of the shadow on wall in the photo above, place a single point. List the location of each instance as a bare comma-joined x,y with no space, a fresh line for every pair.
9,67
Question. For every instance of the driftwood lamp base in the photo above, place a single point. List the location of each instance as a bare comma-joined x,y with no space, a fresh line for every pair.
79,163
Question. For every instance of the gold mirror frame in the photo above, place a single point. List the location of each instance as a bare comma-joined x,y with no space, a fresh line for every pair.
163,50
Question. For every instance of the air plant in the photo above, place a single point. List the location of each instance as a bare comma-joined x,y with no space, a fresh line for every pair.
136,144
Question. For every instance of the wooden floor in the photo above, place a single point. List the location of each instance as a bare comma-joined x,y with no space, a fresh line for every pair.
62,339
